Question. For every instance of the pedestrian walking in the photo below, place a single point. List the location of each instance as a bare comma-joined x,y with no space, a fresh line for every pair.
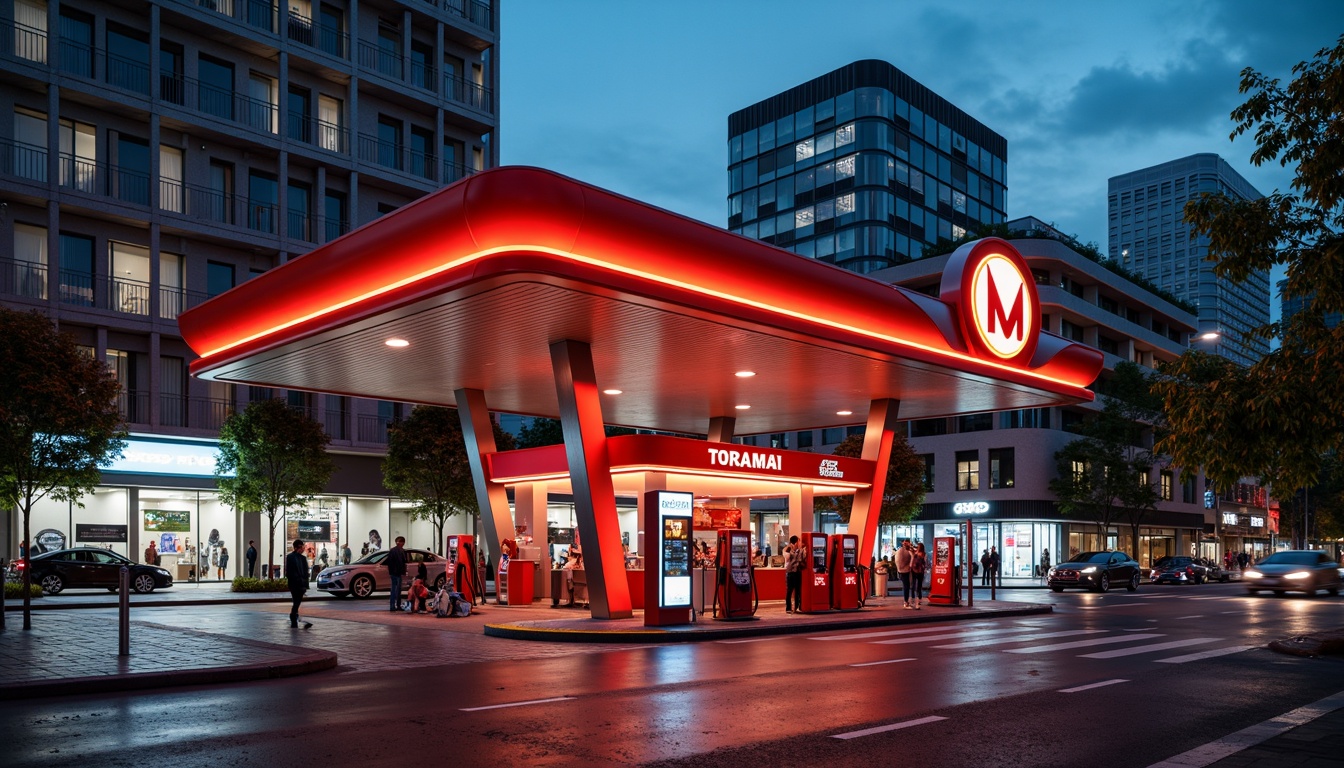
223,571
917,567
151,555
396,568
793,576
296,573
250,559
994,563
905,560
984,568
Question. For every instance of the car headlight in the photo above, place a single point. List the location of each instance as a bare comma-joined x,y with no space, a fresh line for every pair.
335,574
1052,572
1252,575
161,571
1298,575
1089,569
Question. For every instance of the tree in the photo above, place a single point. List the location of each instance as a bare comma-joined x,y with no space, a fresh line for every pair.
271,457
59,420
427,463
1105,474
541,432
903,493
1277,419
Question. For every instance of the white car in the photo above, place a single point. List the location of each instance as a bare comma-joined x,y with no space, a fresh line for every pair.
369,574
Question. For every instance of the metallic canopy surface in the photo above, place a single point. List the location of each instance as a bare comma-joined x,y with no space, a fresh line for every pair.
482,276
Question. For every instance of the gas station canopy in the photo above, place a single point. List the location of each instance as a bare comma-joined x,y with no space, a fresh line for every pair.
477,280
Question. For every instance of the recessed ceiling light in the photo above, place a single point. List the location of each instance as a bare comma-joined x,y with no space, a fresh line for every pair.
745,374
743,407
397,343
844,413
611,391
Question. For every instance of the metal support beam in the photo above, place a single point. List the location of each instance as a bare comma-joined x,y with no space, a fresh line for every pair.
590,477
479,434
721,429
877,439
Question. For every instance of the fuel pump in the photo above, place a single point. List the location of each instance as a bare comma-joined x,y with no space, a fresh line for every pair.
735,595
945,584
846,589
816,596
461,570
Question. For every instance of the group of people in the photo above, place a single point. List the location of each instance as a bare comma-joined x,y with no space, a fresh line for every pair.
911,562
1235,560
990,562
154,557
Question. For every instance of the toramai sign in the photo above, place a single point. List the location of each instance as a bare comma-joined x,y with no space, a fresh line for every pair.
722,457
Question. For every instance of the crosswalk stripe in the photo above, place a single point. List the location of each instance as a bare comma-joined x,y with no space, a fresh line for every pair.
885,728
1205,654
891,632
1081,643
1090,687
950,636
1020,638
884,661
1147,648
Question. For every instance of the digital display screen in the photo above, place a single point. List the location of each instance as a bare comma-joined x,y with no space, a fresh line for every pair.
849,555
741,559
674,548
819,555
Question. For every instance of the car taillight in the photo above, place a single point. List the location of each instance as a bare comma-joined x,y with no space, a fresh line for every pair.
1189,571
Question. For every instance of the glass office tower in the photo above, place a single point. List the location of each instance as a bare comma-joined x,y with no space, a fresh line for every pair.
862,167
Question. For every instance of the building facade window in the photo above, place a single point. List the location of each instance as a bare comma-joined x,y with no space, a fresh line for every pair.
1167,481
1001,469
968,470
76,269
928,471
26,275
219,277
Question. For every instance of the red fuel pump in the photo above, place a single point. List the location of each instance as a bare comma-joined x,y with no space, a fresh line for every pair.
846,591
734,577
816,596
945,581
461,570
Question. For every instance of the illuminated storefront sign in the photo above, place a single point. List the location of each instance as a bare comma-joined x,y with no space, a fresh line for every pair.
1257,522
1229,518
970,508
673,553
154,457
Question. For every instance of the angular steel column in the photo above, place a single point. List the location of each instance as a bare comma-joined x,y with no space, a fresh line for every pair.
876,447
590,476
721,429
490,497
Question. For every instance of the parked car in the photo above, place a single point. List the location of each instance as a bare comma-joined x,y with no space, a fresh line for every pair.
1215,571
369,574
1293,570
1096,571
93,567
1178,570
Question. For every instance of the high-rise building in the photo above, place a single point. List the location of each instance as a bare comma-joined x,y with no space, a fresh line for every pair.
155,154
1148,235
862,167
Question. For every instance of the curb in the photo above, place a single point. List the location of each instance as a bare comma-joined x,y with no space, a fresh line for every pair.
692,632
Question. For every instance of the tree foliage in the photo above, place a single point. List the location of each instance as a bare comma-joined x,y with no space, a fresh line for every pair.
903,494
427,463
271,457
59,419
542,432
1278,419
1105,475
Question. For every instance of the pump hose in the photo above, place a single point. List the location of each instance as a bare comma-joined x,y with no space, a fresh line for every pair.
863,584
755,592
718,580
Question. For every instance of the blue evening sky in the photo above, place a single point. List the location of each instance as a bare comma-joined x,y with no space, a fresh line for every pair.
634,95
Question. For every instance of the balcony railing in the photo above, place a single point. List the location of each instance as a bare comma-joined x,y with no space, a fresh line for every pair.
23,42
333,421
95,178
23,278
463,91
175,301
477,13
372,429
380,60
134,406
26,161
310,130
455,172
256,13
299,226
392,155
194,412
262,216
334,228
118,294
327,39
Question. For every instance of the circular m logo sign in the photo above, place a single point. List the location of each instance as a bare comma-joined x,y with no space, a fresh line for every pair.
992,287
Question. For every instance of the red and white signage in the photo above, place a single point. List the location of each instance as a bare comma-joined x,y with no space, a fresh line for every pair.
993,288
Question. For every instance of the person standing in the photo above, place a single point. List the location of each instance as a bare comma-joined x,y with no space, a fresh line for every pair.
1045,562
345,554
917,567
905,560
396,568
793,576
984,568
151,554
250,559
296,572
223,571
994,563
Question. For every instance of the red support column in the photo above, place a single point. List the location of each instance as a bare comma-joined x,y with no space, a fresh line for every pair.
876,448
480,439
590,476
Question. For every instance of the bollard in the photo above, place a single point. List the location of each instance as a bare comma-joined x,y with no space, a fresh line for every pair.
124,614
4,569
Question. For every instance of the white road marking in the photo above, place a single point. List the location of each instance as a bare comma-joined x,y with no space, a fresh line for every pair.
875,663
949,636
1090,687
1231,744
518,704
885,728
1141,629
1020,639
1206,654
755,639
1227,612
1183,618
1215,597
1080,644
891,632
1148,648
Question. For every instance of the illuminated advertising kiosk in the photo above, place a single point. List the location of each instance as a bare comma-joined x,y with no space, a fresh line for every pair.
667,581
847,591
944,579
423,306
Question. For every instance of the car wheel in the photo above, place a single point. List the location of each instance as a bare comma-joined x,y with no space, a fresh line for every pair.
143,584
439,582
1056,589
1278,593
1104,583
52,584
1133,583
361,587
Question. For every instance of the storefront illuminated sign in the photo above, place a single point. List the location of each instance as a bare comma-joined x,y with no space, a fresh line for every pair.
1257,522
970,508
1229,518
154,457
673,552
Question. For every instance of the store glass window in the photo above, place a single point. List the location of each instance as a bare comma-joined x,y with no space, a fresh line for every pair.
832,436
968,470
1001,468
976,422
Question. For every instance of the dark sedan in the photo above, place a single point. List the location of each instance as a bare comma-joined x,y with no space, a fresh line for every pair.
1179,570
93,567
1096,571
1293,570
